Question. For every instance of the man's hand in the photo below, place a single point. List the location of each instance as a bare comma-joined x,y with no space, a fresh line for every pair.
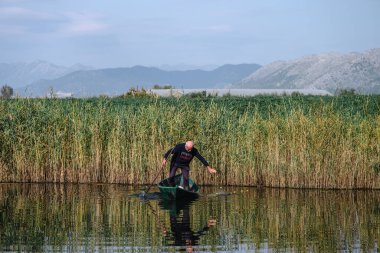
211,222
163,162
211,170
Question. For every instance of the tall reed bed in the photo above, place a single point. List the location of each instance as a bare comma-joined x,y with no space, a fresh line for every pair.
316,142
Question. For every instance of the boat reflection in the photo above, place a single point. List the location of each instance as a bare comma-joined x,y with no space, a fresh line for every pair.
181,232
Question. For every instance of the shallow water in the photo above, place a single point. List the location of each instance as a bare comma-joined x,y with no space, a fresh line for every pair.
107,218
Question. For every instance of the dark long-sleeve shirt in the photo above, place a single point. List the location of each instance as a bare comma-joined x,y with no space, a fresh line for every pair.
182,157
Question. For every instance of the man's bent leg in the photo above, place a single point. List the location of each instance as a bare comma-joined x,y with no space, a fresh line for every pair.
173,169
185,174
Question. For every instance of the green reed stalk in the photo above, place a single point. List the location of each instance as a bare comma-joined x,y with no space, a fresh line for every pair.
316,142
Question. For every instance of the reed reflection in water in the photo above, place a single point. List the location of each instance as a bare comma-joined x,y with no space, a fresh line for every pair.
105,218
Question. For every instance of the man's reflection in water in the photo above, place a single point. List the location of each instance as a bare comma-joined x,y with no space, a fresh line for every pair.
181,232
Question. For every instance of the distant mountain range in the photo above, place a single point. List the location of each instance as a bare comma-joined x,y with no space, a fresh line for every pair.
183,67
116,81
329,71
22,74
359,71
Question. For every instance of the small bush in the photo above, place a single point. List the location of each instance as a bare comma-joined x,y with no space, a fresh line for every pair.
6,92
345,92
200,94
163,87
133,92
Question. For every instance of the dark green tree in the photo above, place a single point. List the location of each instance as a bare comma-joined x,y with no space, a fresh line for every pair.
345,92
6,91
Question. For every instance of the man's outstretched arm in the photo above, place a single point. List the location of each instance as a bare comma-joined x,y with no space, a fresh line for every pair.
205,163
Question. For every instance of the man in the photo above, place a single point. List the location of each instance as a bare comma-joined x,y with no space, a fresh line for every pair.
182,233
183,153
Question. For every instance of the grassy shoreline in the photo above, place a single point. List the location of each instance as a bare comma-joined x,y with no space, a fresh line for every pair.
289,141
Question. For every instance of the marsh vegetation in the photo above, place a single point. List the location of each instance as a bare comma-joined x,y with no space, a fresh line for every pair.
281,141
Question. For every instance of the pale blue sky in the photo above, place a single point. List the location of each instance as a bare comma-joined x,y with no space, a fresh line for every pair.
110,33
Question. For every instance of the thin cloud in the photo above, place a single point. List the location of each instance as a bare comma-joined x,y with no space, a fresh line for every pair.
219,28
22,14
12,30
84,24
16,20
22,21
11,1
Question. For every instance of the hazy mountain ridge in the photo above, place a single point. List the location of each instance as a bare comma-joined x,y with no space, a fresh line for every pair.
330,71
184,67
116,81
22,74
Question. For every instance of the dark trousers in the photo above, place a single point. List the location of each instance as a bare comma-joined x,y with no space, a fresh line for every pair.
185,173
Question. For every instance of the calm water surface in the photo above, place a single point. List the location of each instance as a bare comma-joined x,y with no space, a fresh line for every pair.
105,218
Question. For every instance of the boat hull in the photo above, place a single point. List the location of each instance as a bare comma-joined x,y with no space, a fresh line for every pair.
176,192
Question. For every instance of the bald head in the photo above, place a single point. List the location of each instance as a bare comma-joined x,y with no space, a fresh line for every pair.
189,145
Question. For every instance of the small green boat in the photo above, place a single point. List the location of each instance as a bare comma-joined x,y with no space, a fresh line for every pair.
177,192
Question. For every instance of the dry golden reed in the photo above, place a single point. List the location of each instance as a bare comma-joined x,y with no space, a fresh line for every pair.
279,142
